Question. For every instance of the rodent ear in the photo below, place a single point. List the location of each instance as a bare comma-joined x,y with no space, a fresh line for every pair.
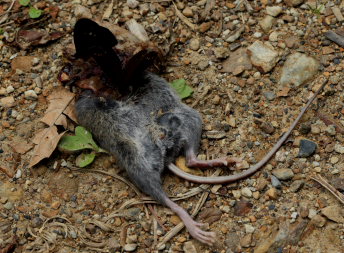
89,36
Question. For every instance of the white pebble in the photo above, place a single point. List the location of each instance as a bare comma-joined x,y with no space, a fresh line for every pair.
334,159
246,192
9,89
18,173
30,94
249,229
257,35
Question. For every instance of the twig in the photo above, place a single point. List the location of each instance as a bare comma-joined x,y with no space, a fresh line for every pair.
155,232
9,8
8,23
329,187
331,35
183,18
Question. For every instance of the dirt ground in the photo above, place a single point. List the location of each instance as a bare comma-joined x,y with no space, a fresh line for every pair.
54,206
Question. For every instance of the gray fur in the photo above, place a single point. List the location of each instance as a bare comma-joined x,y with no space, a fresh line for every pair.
145,132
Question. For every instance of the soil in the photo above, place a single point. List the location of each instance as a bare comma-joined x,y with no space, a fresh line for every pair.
55,206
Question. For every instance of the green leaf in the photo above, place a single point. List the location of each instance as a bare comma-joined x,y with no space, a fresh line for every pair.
24,2
35,13
87,136
1,31
81,140
84,159
183,90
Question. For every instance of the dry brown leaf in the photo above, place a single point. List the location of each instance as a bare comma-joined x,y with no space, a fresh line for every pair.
21,147
70,111
62,121
47,141
59,100
27,38
38,136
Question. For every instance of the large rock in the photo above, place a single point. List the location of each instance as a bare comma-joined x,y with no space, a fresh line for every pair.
298,68
263,56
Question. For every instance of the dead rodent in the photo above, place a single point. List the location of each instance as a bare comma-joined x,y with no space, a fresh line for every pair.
148,128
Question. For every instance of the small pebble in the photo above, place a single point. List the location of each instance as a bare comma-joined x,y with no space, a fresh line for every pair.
194,44
307,148
8,205
36,222
73,234
189,247
18,173
249,228
30,94
272,193
257,35
296,185
339,148
9,89
294,215
188,12
275,182
318,221
283,174
269,95
130,247
202,65
246,192
334,159
331,130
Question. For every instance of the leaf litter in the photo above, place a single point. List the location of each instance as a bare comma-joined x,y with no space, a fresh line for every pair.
47,139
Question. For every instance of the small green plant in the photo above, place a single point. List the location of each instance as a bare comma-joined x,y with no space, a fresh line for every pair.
317,9
33,12
1,31
80,141
183,90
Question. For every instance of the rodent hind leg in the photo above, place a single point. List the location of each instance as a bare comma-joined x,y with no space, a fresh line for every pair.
193,161
152,186
194,228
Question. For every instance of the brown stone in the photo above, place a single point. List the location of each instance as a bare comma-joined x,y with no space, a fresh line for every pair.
205,27
23,63
272,193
